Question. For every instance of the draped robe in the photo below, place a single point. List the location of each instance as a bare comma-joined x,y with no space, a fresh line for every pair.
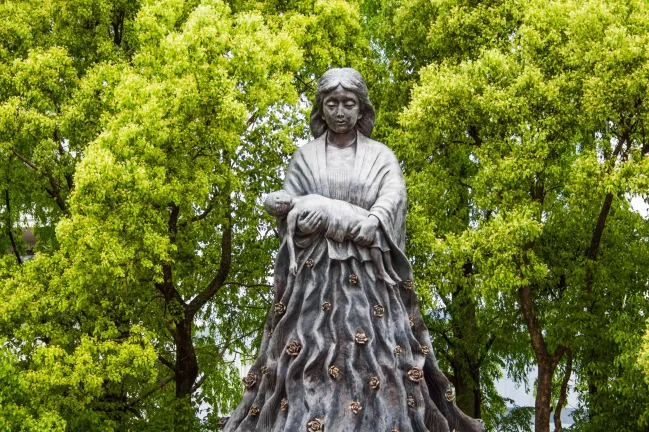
292,389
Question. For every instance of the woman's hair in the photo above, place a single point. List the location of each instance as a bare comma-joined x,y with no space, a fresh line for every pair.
351,80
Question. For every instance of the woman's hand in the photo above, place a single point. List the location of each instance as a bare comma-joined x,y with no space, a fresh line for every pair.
365,231
311,222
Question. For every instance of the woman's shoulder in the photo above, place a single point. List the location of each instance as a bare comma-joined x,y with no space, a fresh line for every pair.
310,148
378,148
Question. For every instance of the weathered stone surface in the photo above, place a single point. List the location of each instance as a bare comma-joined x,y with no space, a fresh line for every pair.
344,292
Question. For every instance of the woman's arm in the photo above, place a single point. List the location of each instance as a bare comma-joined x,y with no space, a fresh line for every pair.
390,205
291,219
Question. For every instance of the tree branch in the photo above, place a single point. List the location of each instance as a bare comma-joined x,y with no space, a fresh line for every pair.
307,86
595,241
645,144
203,215
446,338
166,362
564,392
247,285
490,342
473,133
167,287
224,267
199,383
534,329
57,195
150,392
9,226
25,161
55,185
172,225
36,168
593,249
558,353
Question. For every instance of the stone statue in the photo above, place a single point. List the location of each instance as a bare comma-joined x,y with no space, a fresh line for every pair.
345,347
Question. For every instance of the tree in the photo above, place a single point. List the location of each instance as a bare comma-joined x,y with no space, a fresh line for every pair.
550,119
470,342
139,137
145,137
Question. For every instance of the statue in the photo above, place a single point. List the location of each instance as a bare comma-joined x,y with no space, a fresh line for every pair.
345,347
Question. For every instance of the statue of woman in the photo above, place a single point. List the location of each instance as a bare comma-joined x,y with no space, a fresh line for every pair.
343,350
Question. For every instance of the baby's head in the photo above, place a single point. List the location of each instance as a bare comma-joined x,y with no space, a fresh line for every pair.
278,203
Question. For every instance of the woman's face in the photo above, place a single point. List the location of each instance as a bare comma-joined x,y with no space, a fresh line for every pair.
341,110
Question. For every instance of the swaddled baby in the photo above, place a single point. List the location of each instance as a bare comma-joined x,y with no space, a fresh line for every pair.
346,215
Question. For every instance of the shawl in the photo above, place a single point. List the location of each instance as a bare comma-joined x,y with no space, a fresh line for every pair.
377,185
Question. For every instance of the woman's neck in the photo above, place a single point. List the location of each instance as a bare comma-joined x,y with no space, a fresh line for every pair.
341,140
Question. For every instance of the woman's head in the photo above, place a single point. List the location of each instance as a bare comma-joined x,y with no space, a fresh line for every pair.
350,80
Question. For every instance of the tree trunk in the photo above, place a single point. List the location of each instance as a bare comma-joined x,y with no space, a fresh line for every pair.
465,390
542,409
477,395
186,363
558,427
186,372
546,362
466,365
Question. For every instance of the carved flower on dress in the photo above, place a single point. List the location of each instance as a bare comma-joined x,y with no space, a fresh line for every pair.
411,401
309,262
449,395
264,370
293,348
353,279
280,308
397,349
249,380
416,374
254,411
425,349
375,383
270,334
283,405
361,338
355,407
378,311
326,306
333,371
408,284
315,425
411,321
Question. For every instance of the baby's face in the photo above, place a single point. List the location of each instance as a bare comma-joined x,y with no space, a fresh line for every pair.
280,202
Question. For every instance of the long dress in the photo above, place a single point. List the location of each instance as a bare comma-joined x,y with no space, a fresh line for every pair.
342,350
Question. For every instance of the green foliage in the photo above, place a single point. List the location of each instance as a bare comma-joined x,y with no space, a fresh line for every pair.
531,129
138,137
138,140
518,419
